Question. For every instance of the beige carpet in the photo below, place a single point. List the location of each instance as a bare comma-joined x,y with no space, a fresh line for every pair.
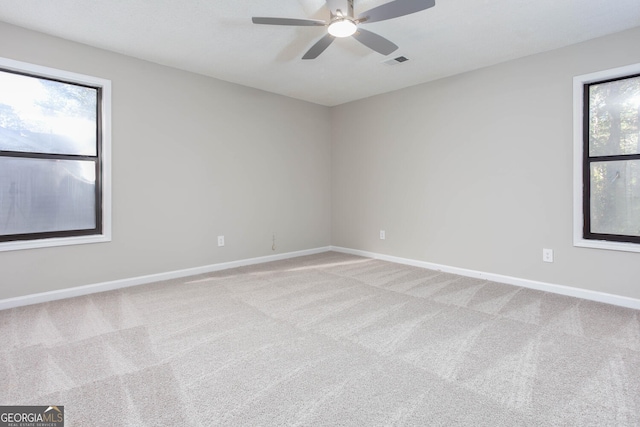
326,340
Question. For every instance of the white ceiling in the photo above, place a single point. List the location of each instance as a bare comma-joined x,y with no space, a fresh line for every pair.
217,38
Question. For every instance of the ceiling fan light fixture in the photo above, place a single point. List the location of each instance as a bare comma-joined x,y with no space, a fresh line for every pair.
342,28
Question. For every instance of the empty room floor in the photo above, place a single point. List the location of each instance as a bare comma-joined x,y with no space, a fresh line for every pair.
328,339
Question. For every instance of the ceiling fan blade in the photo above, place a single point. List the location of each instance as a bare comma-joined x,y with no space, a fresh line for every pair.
375,42
319,47
288,21
395,9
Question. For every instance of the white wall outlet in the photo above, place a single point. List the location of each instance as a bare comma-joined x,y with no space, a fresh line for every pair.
220,240
547,255
382,235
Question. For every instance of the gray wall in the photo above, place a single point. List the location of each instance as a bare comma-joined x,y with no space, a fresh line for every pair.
193,158
475,171
472,171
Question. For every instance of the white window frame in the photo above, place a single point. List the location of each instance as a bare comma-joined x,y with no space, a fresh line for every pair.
105,85
578,147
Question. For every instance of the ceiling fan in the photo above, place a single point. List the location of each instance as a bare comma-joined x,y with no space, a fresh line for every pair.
343,23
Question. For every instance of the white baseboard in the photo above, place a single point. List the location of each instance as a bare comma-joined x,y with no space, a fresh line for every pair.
141,280
525,283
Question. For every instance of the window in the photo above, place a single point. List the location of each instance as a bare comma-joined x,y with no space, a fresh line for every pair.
607,159
54,157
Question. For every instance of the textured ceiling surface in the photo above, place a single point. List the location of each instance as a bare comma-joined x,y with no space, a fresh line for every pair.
217,38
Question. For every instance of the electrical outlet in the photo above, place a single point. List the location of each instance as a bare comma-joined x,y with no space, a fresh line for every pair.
547,255
220,240
382,235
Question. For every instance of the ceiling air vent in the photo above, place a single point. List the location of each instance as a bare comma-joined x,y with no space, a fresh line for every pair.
397,60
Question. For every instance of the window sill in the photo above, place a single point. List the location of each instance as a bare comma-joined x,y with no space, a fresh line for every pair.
60,241
603,244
